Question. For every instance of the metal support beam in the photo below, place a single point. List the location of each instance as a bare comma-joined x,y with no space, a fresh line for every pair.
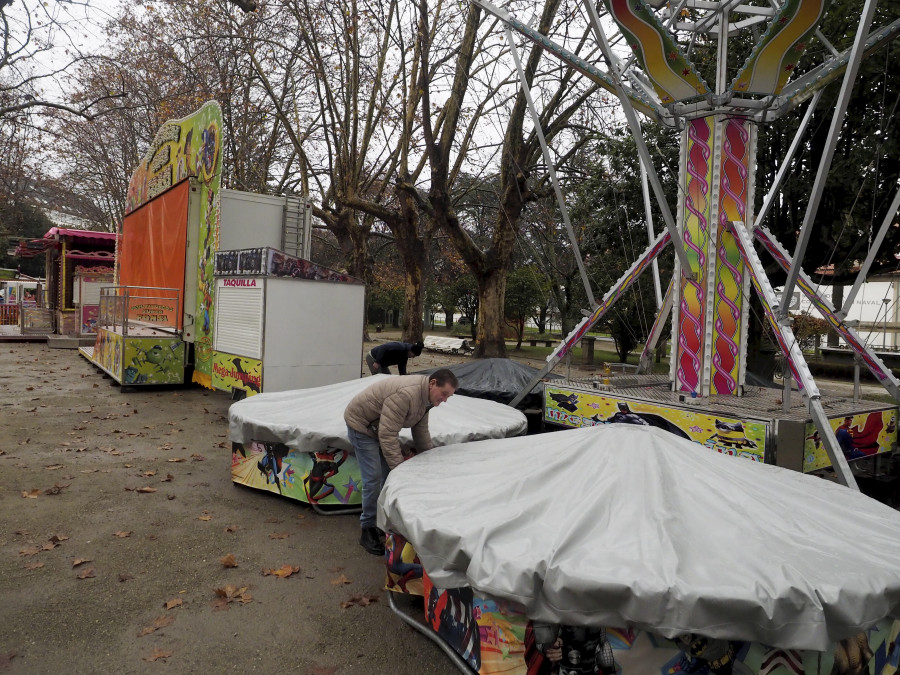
837,121
794,356
645,364
613,294
637,134
560,200
648,213
786,162
875,365
873,251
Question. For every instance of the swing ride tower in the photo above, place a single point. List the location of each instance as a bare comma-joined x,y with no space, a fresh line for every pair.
648,50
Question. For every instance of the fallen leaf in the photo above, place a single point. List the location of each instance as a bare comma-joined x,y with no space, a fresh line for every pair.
282,572
125,577
58,538
168,479
86,574
53,467
361,600
33,565
198,458
56,489
341,580
6,659
49,546
149,473
175,602
232,528
228,561
273,519
204,517
121,534
31,550
80,561
146,489
279,535
159,622
177,459
32,494
158,654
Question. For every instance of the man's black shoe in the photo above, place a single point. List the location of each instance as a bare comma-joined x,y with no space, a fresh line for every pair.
370,541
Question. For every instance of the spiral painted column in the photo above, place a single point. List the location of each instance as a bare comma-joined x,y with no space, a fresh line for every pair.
710,312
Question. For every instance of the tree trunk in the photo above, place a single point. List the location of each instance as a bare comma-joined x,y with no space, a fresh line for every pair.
489,335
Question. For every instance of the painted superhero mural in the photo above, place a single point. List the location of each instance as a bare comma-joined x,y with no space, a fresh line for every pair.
327,477
729,436
859,436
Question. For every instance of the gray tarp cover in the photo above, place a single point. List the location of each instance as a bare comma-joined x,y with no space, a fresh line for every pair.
498,380
621,525
313,419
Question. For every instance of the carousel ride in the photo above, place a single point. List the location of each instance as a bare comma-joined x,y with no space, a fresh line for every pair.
500,599
648,50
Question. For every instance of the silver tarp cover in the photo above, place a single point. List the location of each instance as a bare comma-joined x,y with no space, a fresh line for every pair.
313,419
624,525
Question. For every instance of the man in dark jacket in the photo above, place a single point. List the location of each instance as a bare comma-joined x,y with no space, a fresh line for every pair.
374,419
381,358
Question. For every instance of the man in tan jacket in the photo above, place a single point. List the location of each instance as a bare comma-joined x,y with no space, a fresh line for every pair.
374,419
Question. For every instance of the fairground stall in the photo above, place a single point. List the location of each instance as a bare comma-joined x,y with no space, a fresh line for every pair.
294,443
77,264
159,324
271,331
23,306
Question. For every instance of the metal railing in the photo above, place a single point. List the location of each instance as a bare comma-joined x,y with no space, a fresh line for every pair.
125,309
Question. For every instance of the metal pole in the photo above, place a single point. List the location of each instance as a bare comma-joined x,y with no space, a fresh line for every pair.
536,120
794,356
648,212
873,251
786,162
636,133
840,109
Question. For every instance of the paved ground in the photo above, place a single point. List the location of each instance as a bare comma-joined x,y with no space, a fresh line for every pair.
116,505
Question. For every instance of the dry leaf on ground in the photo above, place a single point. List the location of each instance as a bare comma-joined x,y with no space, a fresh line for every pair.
361,600
31,494
279,535
283,572
158,654
86,574
228,561
175,602
341,580
159,622
121,534
80,561
146,489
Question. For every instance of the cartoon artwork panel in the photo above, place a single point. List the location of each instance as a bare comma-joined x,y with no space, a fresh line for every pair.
859,436
236,372
405,573
509,643
154,360
108,351
729,436
329,477
450,613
